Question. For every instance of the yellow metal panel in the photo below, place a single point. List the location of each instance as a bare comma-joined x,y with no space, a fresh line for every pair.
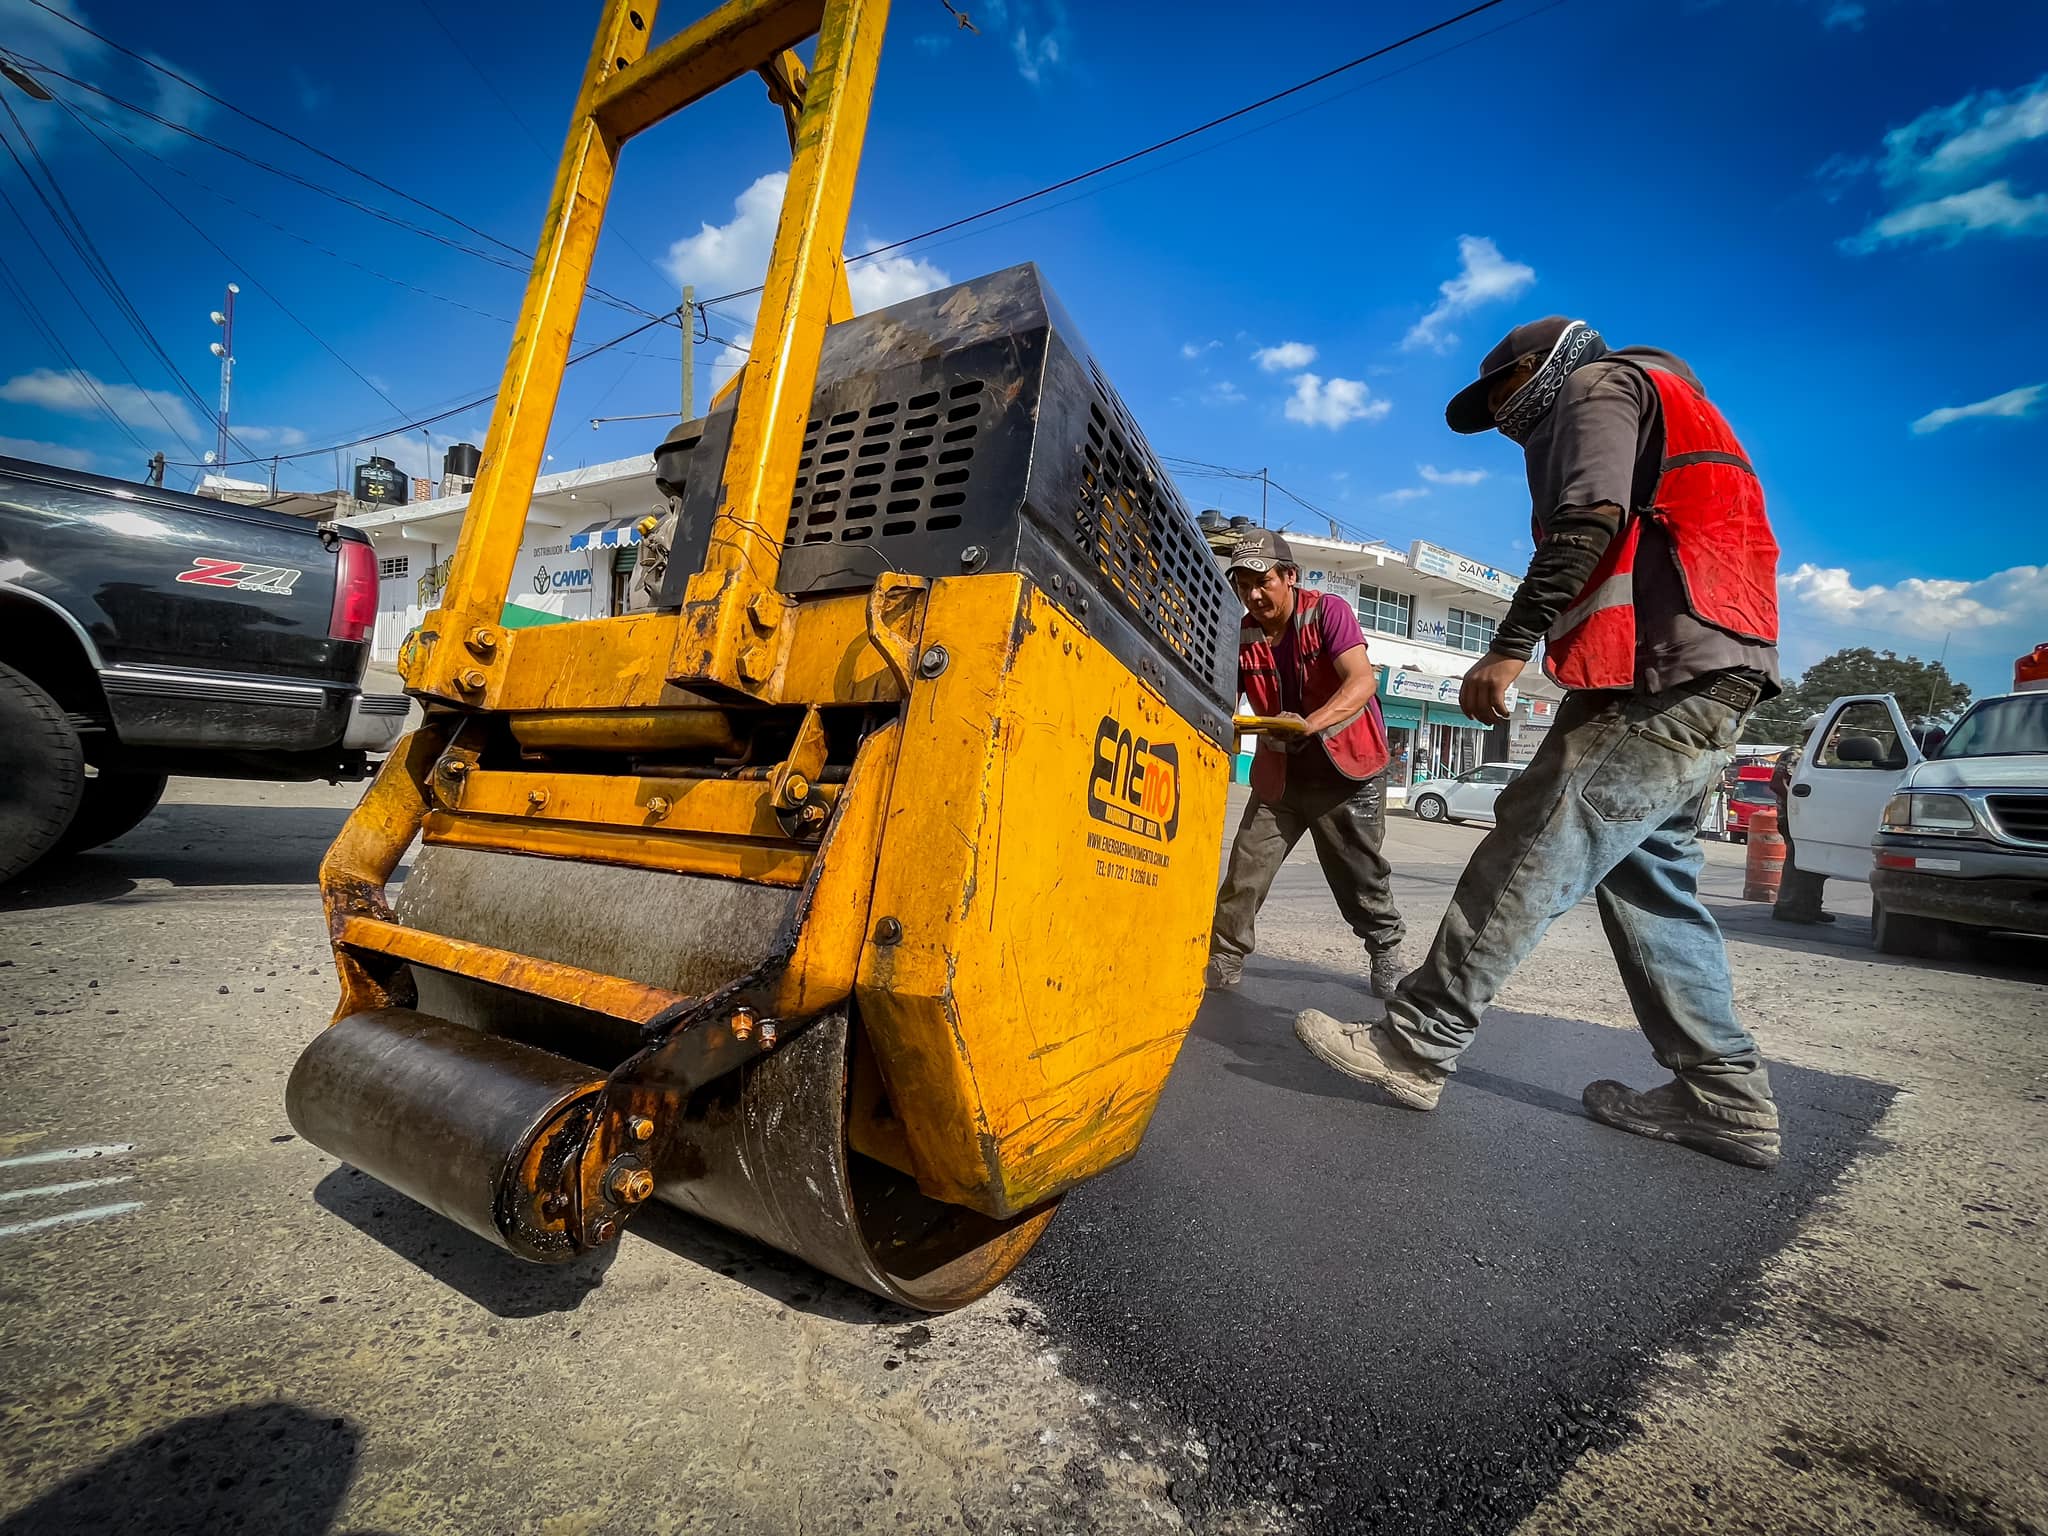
700,807
763,863
730,42
457,643
1050,858
570,984
728,634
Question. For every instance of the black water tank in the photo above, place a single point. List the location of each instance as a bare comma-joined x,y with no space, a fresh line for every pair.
1212,521
382,480
462,459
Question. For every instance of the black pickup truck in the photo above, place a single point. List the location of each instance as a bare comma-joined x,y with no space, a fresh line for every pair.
144,633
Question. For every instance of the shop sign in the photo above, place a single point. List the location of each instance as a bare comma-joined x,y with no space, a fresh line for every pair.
1406,683
1335,583
1434,560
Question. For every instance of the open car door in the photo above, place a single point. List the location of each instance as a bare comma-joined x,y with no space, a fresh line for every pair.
1853,762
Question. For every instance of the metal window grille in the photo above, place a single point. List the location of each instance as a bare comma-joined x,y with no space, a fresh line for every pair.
392,566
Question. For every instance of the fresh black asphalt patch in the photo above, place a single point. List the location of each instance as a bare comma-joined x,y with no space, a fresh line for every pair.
1402,1322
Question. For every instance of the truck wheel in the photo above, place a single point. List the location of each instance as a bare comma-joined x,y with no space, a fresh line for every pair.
112,804
42,773
1919,938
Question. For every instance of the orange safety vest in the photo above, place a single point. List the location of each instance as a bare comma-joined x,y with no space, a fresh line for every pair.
1710,505
1358,750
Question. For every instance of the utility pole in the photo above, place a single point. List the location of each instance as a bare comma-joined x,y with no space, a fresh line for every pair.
156,468
689,352
224,349
1262,497
273,477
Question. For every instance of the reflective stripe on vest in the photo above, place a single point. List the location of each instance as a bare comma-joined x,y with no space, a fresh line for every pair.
1711,507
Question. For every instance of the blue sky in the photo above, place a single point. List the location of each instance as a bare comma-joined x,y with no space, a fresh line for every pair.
1837,210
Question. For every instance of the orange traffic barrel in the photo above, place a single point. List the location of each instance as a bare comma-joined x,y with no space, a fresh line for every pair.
1766,864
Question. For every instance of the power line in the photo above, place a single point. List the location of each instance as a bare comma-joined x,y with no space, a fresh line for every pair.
440,416
313,149
272,224
104,278
1151,149
86,382
242,267
525,127
310,185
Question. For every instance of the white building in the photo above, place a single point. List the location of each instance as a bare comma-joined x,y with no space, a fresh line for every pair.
574,563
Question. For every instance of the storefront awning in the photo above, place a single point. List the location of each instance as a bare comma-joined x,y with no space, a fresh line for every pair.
607,535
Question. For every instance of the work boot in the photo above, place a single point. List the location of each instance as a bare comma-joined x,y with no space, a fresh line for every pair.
1669,1113
1801,915
1225,972
1388,970
1370,1053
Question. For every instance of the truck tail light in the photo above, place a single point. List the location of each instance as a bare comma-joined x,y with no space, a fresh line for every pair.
355,592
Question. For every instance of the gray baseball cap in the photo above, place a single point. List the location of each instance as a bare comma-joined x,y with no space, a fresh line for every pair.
1259,551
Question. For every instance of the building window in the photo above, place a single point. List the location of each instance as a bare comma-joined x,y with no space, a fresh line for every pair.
393,566
1383,610
1470,631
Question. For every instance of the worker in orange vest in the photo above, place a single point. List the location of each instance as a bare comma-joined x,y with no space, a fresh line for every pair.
1653,589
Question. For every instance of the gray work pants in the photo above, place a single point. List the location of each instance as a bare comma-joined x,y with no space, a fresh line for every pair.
1347,818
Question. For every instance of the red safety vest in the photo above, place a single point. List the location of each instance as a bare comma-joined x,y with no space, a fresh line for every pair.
1710,505
1358,750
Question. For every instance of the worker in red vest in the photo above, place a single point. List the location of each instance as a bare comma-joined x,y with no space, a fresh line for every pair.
1301,658
1654,590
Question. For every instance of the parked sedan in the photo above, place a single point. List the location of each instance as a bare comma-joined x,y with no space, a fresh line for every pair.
1468,797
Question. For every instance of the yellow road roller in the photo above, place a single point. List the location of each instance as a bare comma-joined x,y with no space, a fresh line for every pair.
855,893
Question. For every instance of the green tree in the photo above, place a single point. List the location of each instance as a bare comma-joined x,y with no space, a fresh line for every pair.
1924,690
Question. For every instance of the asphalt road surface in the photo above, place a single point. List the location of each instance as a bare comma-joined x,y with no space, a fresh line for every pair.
1296,1309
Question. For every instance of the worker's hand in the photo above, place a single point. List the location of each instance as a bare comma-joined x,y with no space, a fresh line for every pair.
1484,697
1290,741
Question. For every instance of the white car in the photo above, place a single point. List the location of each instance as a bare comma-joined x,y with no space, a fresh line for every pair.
1468,797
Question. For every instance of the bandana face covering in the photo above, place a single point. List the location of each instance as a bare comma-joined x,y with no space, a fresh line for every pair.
1580,344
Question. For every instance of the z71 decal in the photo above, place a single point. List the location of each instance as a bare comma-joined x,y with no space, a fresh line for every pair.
238,574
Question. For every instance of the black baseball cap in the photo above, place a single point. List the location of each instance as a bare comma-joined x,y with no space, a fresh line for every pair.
1259,551
1468,410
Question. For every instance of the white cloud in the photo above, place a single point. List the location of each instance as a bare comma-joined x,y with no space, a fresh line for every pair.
68,394
1331,403
1288,357
33,31
1194,349
1437,476
271,437
1406,493
1223,392
1924,609
722,257
1953,144
1845,13
1934,169
47,453
1949,219
1484,277
2013,403
884,280
1039,40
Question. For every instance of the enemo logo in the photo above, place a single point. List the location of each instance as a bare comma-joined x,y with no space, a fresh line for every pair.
1135,783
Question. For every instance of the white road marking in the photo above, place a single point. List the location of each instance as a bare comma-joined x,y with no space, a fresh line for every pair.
67,1155
62,1189
91,1213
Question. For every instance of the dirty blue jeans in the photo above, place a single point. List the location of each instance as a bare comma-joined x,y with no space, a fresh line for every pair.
1607,805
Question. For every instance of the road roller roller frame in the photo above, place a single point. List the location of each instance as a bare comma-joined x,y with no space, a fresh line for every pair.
866,918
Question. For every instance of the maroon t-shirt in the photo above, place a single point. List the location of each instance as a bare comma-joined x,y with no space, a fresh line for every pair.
1338,624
